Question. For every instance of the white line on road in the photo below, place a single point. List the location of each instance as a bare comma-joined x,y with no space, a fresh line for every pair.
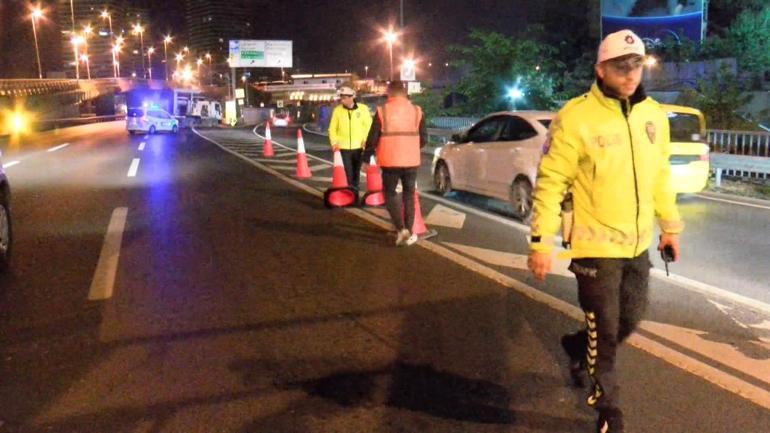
699,368
10,164
134,168
55,148
141,146
741,203
104,277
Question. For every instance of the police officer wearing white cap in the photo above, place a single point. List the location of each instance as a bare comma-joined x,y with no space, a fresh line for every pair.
348,129
610,149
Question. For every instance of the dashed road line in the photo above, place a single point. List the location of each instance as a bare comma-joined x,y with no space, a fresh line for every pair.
11,164
103,282
141,146
55,148
133,168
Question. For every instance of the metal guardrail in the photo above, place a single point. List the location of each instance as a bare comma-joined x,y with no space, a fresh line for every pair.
739,165
453,122
739,142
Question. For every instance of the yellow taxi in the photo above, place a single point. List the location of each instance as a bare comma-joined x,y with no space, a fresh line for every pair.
689,152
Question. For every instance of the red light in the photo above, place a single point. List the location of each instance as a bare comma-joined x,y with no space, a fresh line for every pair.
704,157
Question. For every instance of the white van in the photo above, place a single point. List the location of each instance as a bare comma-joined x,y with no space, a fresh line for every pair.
150,120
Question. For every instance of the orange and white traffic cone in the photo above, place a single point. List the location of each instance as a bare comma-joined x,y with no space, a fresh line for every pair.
374,195
339,194
418,226
267,149
303,171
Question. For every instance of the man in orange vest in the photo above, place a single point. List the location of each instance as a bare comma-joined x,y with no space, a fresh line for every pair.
396,137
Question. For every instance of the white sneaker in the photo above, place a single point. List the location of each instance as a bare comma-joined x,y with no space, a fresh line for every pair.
402,237
412,239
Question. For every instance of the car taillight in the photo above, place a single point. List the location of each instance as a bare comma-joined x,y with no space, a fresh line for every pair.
704,157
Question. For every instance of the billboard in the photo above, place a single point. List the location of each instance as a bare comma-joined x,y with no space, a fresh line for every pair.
260,54
654,20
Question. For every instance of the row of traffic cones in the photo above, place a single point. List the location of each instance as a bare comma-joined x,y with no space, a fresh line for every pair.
340,194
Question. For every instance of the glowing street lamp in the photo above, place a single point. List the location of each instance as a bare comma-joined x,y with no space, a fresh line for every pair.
76,40
179,57
166,40
390,38
366,71
515,93
36,15
138,29
115,61
198,63
650,61
208,59
149,59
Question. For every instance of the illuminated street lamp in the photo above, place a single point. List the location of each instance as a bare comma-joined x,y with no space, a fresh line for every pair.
115,61
36,15
366,69
179,57
118,46
149,59
515,93
390,38
650,61
198,64
208,58
166,40
84,59
138,29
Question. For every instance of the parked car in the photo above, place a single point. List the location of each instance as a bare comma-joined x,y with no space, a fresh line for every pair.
150,120
281,119
496,157
689,152
6,236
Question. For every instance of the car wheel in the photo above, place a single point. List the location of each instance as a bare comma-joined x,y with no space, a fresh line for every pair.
152,129
521,199
5,234
441,179
174,129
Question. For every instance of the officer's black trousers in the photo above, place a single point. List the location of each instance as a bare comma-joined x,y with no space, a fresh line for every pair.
613,295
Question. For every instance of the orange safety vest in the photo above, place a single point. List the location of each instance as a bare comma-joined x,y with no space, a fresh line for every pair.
399,144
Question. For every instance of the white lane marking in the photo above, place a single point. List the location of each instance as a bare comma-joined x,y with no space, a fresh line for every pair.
104,277
765,325
508,260
141,146
687,363
443,216
726,311
319,167
723,353
134,167
55,148
723,200
10,164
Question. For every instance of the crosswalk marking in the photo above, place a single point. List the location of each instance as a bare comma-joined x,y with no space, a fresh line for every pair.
446,217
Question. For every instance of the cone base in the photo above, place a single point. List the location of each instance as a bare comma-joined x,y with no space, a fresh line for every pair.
340,197
374,199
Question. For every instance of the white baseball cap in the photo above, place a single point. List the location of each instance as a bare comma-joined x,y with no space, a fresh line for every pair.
347,91
620,44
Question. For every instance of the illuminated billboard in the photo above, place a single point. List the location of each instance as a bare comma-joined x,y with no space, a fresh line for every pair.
260,54
654,20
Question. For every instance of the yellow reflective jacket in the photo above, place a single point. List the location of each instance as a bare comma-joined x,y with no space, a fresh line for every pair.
349,128
617,167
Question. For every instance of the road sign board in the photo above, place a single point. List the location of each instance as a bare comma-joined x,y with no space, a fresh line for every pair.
408,72
260,54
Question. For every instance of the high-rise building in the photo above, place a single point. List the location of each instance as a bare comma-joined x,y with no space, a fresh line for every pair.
82,20
210,25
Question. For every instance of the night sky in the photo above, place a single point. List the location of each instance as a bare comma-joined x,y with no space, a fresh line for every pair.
329,36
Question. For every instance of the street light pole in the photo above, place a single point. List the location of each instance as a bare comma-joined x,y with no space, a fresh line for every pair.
149,59
37,13
166,41
75,41
210,72
138,29
84,58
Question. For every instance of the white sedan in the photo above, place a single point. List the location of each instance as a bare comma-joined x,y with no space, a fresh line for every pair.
497,157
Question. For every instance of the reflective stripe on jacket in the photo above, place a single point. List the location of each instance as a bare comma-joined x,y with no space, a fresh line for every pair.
617,167
348,128
399,144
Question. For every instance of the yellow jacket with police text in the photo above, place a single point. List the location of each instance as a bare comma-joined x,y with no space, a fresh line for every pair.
617,167
348,128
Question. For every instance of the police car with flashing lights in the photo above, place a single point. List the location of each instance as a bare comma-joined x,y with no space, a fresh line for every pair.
150,120
5,220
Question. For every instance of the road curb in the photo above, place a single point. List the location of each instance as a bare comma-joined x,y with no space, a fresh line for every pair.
734,197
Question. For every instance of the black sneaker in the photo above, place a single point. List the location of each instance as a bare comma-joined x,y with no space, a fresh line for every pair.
610,421
575,346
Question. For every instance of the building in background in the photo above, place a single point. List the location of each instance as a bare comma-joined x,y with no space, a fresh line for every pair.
210,25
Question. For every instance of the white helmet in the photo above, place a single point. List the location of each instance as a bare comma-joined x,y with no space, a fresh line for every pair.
346,91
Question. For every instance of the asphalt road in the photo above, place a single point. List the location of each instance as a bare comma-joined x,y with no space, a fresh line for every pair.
201,289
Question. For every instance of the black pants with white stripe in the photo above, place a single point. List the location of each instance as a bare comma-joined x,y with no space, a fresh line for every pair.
613,294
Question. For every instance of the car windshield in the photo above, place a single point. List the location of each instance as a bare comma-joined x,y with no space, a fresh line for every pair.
685,128
545,122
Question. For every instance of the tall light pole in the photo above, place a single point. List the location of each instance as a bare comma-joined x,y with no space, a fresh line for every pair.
366,69
106,14
72,15
118,47
84,58
166,41
198,63
76,40
390,38
140,30
149,59
37,14
211,75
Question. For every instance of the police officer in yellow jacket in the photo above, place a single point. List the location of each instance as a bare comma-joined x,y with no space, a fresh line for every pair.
609,148
348,129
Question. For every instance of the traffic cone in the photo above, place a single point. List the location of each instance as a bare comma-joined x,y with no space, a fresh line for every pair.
339,194
267,149
303,171
418,226
374,195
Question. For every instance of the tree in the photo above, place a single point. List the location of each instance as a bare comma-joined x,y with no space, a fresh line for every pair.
749,39
719,97
497,63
